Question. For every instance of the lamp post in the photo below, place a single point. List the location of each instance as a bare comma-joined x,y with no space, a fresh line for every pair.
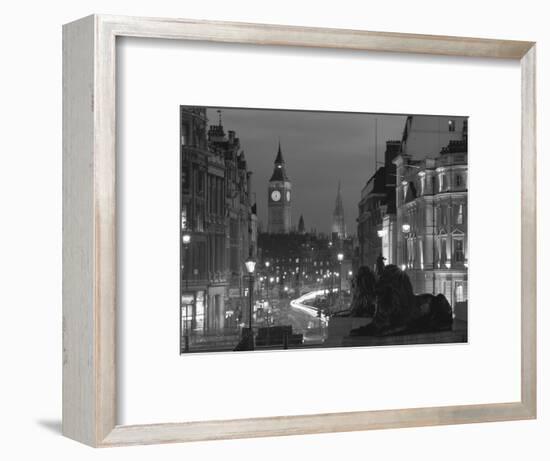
267,279
340,257
406,228
271,280
250,265
185,240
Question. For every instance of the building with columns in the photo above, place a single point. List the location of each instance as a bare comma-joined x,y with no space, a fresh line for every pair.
431,206
413,210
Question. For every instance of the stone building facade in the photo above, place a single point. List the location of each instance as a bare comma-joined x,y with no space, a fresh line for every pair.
218,218
432,211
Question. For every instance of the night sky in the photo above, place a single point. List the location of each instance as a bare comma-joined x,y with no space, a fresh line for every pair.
319,149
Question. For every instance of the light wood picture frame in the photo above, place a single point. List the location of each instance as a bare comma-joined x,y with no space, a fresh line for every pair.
89,229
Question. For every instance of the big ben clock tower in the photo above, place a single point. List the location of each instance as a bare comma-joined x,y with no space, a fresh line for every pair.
279,198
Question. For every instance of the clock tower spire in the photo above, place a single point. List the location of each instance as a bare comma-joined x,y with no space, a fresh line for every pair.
279,198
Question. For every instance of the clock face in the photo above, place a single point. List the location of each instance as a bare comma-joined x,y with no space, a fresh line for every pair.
288,196
275,196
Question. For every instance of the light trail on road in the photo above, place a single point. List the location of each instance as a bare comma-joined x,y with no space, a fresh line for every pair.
298,303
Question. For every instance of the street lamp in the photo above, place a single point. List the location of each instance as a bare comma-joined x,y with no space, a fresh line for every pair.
267,278
406,228
250,265
340,257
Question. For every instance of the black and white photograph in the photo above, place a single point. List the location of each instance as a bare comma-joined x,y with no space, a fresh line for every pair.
310,229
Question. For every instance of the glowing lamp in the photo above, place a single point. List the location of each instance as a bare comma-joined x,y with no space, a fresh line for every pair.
250,265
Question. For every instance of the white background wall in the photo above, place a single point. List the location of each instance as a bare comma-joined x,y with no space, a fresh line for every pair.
30,231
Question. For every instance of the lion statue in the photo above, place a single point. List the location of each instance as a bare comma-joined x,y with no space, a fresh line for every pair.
394,306
363,286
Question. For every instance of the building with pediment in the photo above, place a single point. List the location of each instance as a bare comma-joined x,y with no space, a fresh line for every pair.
432,206
414,210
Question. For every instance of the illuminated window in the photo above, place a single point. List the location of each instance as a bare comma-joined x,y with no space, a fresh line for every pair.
460,215
184,134
458,250
198,314
461,291
184,217
441,180
444,250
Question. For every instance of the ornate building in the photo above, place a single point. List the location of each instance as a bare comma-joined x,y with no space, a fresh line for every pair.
218,220
240,214
194,265
279,198
413,210
432,202
338,221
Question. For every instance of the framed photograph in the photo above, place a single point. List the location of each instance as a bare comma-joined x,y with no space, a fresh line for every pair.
267,230
392,270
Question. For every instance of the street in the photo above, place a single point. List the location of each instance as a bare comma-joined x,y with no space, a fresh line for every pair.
303,318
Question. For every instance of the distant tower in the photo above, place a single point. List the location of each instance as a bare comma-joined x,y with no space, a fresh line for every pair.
301,226
338,222
279,196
